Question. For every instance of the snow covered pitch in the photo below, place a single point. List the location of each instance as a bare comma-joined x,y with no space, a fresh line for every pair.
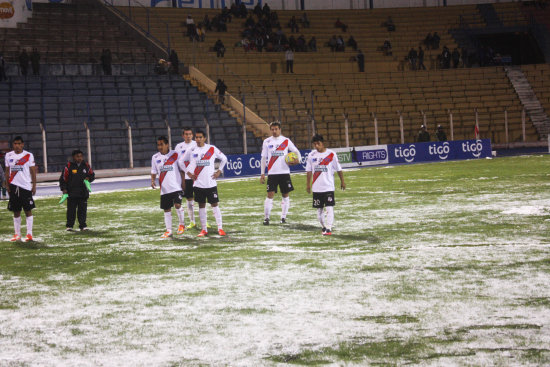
432,264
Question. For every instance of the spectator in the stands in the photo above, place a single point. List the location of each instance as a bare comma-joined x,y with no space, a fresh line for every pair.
293,24
201,32
440,133
340,44
333,43
243,11
289,57
339,24
413,58
423,135
301,44
24,62
386,47
207,23
191,30
390,26
435,41
220,89
455,56
428,41
174,60
106,60
258,10
162,67
305,21
352,43
312,44
421,59
35,62
446,58
266,10
360,57
219,48
2,68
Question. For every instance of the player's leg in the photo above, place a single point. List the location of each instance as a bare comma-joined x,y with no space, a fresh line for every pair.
329,208
29,221
318,205
286,187
15,206
166,203
268,203
180,211
71,212
285,205
200,198
28,206
82,210
16,226
213,200
188,193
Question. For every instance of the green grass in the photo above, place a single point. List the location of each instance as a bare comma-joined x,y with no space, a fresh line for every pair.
434,264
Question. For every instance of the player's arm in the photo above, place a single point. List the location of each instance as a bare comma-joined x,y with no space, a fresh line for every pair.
309,174
182,174
292,148
7,177
223,161
263,159
153,172
191,170
33,178
338,168
342,183
90,176
62,183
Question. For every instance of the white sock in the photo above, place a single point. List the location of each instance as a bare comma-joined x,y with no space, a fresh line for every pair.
17,225
320,217
218,216
29,224
268,205
330,216
181,215
202,217
286,206
191,210
168,221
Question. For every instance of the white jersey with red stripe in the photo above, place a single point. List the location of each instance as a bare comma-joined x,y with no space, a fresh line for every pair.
273,153
323,165
19,166
167,167
184,150
202,165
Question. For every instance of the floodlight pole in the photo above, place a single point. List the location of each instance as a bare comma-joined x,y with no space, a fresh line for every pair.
130,146
451,126
401,129
44,149
375,128
88,143
346,129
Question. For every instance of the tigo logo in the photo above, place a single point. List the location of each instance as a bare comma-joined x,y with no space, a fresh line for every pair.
474,148
407,153
6,10
441,151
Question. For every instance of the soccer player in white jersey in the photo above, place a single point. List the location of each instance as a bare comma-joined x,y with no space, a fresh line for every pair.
165,163
274,150
203,173
184,149
320,167
21,177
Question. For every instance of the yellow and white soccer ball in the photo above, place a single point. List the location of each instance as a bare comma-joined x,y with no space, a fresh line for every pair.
291,159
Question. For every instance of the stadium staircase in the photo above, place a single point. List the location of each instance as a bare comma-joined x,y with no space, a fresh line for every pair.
529,100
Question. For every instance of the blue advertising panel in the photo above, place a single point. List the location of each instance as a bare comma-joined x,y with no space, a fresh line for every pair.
240,165
439,151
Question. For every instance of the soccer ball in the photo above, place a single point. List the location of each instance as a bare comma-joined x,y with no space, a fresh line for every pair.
291,159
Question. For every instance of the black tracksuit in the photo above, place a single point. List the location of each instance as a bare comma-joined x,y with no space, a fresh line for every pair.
72,181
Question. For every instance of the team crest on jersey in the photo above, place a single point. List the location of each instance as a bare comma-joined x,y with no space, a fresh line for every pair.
167,168
203,162
17,168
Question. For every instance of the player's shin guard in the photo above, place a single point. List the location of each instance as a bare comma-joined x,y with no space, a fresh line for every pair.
202,216
218,216
330,216
168,221
320,216
181,215
17,225
191,210
30,221
285,207
268,205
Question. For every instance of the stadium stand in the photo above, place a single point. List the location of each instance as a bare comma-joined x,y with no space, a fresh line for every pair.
328,87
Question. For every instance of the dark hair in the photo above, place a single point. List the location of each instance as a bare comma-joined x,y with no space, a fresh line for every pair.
200,132
18,138
275,123
317,137
163,138
76,151
186,128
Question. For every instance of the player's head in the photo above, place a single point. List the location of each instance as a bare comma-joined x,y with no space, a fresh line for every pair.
187,134
318,142
78,156
162,144
18,144
275,128
200,137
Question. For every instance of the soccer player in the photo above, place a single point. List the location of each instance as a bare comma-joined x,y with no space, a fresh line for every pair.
165,163
320,166
73,182
203,173
184,149
21,177
274,150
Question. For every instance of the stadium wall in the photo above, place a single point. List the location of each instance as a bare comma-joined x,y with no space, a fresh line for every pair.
297,4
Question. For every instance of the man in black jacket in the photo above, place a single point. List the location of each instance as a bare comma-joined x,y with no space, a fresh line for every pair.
73,182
